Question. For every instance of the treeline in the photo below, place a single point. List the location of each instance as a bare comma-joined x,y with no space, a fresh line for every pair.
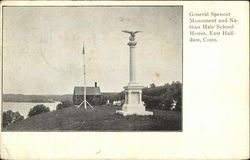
162,97
157,97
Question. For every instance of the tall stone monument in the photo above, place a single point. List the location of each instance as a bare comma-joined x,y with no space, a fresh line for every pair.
133,104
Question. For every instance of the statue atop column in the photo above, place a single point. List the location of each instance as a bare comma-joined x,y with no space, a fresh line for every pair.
132,34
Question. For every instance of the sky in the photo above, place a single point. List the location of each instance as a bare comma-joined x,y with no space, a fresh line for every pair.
42,47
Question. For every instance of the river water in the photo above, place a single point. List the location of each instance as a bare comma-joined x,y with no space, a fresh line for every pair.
24,107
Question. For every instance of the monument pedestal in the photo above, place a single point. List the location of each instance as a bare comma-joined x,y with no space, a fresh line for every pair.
133,104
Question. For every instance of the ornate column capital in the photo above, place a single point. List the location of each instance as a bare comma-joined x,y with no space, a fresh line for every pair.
132,43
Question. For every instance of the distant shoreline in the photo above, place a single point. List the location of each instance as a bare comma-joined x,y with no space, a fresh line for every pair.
35,98
22,98
32,101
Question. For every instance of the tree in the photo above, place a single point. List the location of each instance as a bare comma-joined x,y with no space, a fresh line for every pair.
64,104
10,117
152,85
38,109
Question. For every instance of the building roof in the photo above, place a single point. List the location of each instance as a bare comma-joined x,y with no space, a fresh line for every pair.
93,91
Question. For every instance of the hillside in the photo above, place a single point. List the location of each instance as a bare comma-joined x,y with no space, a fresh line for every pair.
101,119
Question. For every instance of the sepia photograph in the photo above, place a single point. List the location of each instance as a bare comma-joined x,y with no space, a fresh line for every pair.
103,68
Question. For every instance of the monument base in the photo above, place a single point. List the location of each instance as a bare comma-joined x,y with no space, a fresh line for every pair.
127,113
133,104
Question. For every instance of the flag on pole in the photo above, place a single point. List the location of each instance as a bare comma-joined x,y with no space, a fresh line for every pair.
83,49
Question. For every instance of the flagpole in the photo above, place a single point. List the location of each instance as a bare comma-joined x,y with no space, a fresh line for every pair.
84,72
85,102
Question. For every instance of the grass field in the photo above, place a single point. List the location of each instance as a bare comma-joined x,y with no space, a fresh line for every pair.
102,118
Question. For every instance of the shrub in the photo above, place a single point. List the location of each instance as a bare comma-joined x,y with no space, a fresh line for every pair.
151,101
64,104
38,109
10,117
